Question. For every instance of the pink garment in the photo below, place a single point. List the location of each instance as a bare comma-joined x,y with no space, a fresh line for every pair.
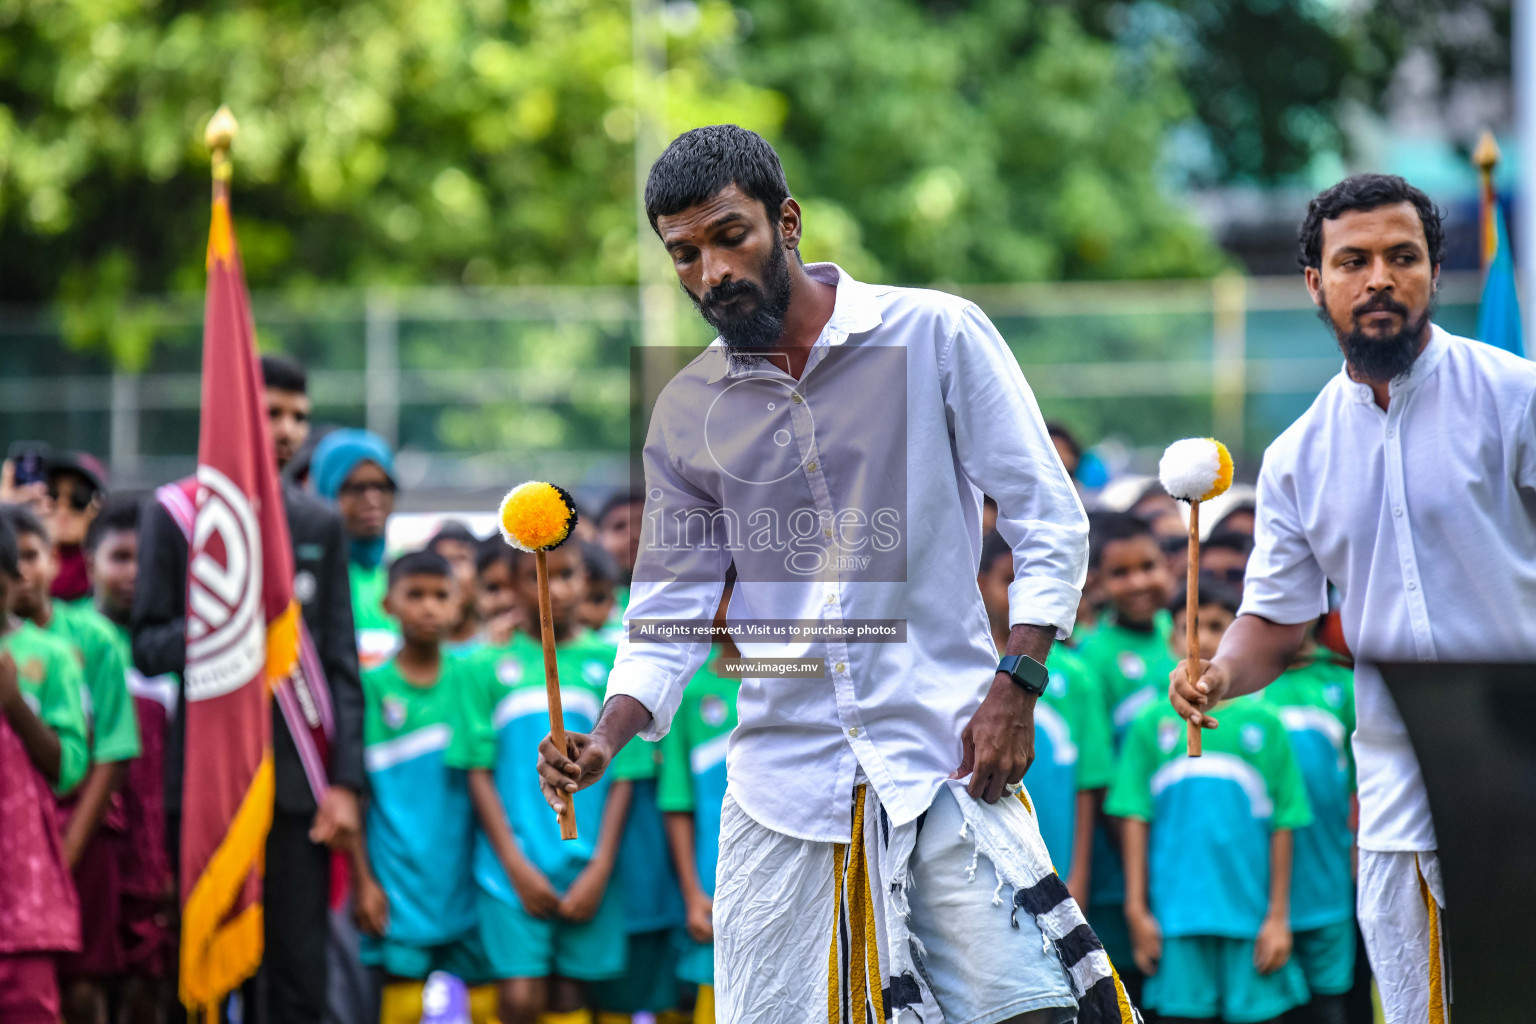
71,582
146,865
39,911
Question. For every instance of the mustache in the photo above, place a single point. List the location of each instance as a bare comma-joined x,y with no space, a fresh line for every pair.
1381,302
728,290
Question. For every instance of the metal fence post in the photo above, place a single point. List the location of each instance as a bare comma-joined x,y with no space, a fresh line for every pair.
123,445
381,328
1229,371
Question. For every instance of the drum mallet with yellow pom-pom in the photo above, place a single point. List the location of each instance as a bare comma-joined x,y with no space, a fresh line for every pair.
537,516
1195,469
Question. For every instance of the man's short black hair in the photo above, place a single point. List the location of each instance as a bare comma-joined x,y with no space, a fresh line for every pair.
419,563
601,567
623,499
452,530
1213,591
282,373
701,162
1104,528
1366,192
23,521
119,514
10,560
993,547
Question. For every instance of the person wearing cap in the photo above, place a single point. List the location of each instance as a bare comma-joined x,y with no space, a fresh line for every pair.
77,482
304,829
355,469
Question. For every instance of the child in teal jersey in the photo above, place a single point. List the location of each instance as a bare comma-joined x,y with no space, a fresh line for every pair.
416,897
1208,890
1127,656
1074,762
1315,700
653,902
548,917
692,793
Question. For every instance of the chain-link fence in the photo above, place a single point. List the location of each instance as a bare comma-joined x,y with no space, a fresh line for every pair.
478,388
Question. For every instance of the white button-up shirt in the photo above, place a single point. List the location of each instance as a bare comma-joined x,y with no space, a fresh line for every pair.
1424,517
852,493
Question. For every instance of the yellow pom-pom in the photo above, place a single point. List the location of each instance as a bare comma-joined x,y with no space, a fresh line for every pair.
536,516
1196,469
1223,474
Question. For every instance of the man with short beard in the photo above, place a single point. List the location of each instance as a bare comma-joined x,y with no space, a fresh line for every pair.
1414,464
876,857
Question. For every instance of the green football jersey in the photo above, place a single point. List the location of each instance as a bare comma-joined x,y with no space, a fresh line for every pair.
112,724
48,671
1211,816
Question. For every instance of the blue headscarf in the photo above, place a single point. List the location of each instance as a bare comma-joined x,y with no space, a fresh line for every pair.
336,456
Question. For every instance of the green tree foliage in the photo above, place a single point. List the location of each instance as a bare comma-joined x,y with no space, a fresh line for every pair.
986,141
492,142
1268,79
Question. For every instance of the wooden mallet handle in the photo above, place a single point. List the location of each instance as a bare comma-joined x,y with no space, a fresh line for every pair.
552,689
1192,616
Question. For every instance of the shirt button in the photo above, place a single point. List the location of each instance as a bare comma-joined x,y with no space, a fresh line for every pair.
811,467
1392,433
840,666
828,532
1397,510
831,599
854,732
1413,585
796,398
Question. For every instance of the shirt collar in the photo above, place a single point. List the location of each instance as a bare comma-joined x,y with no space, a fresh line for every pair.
1424,365
854,311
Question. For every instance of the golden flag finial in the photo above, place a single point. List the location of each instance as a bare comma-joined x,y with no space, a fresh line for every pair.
220,136
1486,154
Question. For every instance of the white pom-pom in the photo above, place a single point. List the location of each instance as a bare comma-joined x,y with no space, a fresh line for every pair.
1195,469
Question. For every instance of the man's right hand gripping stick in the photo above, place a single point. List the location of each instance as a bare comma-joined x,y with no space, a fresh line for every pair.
1195,469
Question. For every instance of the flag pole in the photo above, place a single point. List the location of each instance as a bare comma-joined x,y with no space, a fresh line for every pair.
1485,156
220,137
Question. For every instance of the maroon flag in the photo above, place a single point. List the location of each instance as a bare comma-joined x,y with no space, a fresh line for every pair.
242,638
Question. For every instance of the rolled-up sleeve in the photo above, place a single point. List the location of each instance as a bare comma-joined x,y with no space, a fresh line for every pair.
1006,451
680,581
1284,583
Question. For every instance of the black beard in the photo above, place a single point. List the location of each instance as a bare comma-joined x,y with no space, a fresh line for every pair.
1380,358
746,334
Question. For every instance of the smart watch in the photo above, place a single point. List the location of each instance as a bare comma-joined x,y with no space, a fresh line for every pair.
1026,671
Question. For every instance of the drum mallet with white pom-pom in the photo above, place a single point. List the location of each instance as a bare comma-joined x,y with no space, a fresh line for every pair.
1195,469
536,516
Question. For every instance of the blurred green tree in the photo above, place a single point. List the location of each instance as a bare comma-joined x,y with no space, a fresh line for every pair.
1269,79
487,142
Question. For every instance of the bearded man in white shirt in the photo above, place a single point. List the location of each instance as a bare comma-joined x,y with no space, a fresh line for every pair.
834,444
1410,485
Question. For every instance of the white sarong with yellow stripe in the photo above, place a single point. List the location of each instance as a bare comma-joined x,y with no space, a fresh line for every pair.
1401,901
808,931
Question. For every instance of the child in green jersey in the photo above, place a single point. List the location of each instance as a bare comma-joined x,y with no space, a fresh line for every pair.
549,920
692,794
1127,655
43,751
1315,699
95,841
1074,761
415,888
1208,849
